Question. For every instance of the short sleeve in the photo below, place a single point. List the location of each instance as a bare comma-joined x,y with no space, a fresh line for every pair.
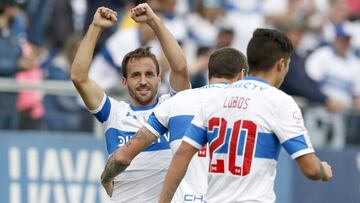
290,130
103,111
196,134
155,125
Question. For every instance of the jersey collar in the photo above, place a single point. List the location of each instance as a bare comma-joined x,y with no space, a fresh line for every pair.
256,78
144,108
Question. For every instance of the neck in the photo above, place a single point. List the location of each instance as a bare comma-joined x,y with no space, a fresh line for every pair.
221,80
267,76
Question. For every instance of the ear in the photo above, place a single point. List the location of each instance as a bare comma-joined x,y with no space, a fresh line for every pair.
242,74
123,81
280,65
159,78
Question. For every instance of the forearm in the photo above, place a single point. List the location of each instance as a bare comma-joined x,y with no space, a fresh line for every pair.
112,168
173,178
312,167
122,157
177,171
84,55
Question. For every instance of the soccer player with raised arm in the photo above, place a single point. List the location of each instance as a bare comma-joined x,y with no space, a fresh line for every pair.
226,66
142,181
245,126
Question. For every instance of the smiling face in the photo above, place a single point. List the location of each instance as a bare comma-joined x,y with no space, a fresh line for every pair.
142,81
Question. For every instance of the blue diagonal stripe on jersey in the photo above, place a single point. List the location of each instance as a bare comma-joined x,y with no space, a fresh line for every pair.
155,123
104,113
267,146
115,137
197,134
178,125
295,144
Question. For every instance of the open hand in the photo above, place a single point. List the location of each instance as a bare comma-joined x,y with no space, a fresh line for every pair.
104,17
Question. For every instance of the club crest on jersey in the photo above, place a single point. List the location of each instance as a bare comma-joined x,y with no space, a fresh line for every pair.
298,117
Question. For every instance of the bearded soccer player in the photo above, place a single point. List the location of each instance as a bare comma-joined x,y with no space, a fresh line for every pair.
245,126
142,181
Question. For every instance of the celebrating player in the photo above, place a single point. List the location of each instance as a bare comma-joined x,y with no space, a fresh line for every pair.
225,66
121,120
245,125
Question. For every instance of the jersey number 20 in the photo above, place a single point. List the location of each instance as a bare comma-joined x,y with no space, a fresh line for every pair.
217,166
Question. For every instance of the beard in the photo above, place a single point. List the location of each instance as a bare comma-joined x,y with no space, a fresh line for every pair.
143,99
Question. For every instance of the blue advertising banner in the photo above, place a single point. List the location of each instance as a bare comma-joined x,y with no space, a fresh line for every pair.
64,168
51,168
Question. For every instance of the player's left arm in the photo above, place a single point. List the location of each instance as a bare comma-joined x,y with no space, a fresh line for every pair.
122,157
313,168
179,78
289,128
177,171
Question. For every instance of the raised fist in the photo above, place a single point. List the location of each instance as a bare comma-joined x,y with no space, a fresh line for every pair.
142,13
104,17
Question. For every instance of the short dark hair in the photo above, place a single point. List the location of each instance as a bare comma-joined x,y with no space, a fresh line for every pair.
266,47
226,63
142,52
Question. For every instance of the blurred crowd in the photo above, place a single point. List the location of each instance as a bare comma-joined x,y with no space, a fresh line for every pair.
38,40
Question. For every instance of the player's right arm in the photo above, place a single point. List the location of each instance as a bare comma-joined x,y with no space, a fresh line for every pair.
89,90
177,171
193,140
122,157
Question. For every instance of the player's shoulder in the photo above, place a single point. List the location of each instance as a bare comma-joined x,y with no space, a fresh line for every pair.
186,93
117,104
283,100
164,97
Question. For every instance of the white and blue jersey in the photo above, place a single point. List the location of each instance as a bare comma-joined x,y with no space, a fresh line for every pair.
245,125
174,116
143,179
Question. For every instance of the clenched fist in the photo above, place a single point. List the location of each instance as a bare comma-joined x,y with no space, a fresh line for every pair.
104,17
142,13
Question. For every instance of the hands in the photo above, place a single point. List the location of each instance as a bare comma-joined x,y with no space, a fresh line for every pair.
142,13
104,17
328,174
108,186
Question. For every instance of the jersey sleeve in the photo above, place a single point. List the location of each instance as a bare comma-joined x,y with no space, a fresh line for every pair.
155,126
103,111
290,130
196,134
157,122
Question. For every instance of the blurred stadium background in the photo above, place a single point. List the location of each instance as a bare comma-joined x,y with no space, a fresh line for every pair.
52,150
